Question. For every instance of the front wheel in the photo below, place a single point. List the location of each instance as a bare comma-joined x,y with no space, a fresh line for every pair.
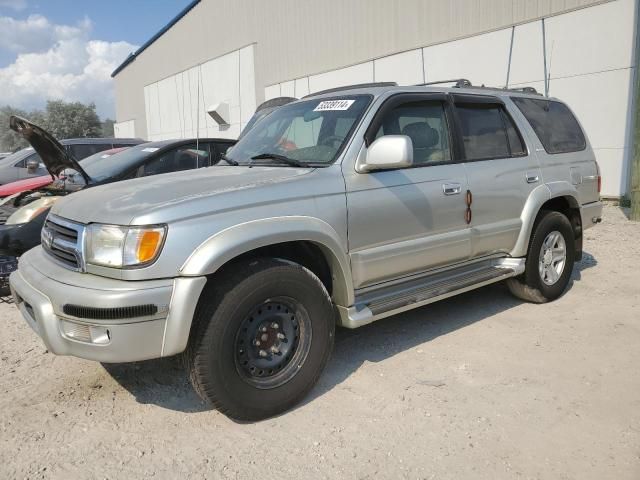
549,261
262,336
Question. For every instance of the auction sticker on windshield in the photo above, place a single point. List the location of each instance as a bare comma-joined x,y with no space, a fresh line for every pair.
333,105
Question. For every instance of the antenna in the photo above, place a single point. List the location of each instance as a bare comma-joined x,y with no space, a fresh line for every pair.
549,73
198,114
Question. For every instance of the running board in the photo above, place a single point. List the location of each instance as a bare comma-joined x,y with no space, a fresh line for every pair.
386,301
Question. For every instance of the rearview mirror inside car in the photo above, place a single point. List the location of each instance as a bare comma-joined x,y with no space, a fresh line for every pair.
387,153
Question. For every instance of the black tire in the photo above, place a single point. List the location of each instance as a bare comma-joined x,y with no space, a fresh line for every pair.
220,368
531,286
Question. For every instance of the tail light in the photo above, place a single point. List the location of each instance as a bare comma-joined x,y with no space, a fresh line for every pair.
599,177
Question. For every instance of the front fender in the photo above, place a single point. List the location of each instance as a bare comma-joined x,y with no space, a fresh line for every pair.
228,244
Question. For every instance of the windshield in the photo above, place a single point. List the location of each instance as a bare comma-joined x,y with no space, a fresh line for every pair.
98,168
311,132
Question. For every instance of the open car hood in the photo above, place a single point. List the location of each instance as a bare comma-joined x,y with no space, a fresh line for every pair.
54,156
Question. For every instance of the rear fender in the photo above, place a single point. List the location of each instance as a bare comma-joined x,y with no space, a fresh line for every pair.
537,198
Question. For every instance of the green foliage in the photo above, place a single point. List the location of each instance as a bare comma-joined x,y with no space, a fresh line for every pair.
61,119
625,202
9,140
107,128
73,119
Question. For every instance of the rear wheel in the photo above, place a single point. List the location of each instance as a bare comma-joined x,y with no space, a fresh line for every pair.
549,261
261,339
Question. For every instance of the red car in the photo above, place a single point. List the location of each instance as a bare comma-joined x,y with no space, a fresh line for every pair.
44,180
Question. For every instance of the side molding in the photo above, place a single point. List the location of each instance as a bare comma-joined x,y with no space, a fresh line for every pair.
227,244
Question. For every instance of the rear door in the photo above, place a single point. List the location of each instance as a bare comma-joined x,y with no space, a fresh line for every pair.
500,170
407,221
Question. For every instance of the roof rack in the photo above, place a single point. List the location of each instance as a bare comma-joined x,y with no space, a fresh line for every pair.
524,90
351,87
459,83
464,83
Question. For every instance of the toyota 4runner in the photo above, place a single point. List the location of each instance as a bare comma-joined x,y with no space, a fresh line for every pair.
342,208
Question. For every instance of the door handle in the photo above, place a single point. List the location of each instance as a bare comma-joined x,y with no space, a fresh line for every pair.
532,177
451,188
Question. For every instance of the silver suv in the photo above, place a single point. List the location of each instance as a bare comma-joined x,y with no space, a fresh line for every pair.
342,208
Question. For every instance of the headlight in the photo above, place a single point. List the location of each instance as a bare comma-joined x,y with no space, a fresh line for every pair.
118,247
31,210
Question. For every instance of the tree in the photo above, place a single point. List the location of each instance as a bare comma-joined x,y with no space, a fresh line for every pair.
72,119
107,128
61,119
10,140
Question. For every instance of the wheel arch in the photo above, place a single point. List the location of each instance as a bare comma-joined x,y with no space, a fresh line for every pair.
306,240
558,197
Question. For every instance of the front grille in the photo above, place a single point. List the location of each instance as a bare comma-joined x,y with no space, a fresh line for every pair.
116,313
62,240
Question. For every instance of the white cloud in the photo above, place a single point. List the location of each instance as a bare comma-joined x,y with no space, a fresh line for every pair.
14,4
36,33
57,62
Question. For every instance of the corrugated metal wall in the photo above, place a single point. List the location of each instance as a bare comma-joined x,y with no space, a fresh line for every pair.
303,46
298,37
589,65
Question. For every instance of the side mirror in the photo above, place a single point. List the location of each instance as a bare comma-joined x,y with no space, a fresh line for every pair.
32,166
389,152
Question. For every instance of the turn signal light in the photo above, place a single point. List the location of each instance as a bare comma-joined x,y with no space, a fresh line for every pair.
148,245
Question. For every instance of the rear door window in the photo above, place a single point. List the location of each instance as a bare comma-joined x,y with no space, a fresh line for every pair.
554,124
483,132
488,132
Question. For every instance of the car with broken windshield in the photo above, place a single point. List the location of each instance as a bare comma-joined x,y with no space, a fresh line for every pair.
23,214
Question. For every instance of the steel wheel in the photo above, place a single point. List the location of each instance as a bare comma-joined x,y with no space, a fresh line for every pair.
272,342
552,258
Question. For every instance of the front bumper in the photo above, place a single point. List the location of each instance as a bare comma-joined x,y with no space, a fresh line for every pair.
41,288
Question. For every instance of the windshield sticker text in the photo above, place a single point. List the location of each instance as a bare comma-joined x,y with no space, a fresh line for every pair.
333,105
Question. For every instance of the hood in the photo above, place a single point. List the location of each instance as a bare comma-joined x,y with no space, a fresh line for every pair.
24,185
54,156
121,202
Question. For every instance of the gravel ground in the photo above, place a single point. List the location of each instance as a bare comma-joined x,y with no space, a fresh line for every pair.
479,386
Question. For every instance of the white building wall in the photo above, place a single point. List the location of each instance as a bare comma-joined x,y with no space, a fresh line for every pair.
176,107
590,65
126,129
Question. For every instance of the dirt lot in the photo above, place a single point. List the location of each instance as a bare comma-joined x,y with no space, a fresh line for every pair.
480,386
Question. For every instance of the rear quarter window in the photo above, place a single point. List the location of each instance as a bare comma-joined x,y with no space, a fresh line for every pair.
554,124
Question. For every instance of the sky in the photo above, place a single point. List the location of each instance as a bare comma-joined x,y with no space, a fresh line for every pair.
67,49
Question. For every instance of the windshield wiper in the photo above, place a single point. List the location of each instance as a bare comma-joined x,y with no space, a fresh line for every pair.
230,161
281,158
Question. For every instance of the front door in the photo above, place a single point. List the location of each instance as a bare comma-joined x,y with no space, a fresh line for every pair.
23,172
407,221
500,170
